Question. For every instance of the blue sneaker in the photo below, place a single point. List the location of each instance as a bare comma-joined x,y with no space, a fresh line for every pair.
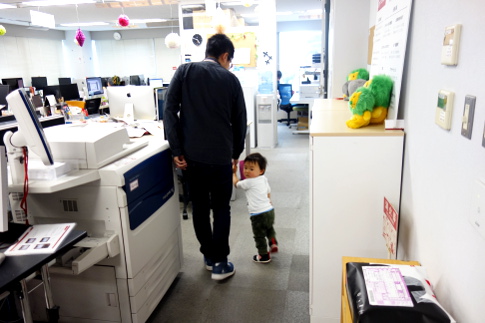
222,270
208,264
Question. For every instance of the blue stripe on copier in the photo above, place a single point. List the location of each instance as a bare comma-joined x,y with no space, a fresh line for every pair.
148,186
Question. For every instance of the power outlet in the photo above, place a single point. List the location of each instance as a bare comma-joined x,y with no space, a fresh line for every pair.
477,214
468,114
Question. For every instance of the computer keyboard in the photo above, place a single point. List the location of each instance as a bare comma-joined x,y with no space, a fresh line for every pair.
2,257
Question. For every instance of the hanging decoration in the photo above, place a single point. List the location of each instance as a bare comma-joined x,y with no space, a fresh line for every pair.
79,38
123,19
3,31
172,40
220,21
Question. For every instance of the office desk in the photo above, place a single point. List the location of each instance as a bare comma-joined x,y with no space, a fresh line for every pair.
298,99
15,269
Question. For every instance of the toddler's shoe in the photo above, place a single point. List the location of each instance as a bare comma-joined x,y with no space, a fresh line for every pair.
273,245
262,259
222,270
208,263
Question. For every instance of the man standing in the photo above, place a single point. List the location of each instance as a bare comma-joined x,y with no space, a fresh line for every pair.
205,124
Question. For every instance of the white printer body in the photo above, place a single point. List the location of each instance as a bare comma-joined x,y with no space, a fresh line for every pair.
124,195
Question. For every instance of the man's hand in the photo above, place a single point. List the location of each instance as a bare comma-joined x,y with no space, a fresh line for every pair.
180,162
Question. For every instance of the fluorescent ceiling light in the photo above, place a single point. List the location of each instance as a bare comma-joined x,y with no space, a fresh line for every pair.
193,6
6,6
85,24
314,12
146,21
42,19
45,3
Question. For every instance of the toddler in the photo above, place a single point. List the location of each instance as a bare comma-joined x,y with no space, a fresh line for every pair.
260,207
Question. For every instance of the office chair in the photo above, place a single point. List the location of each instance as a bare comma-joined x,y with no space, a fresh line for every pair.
286,93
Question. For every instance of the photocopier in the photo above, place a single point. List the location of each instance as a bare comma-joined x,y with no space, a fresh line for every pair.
124,194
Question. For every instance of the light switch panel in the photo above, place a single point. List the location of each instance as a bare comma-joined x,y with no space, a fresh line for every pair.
468,114
451,43
444,109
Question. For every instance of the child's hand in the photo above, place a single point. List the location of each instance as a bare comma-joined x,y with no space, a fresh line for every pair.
234,168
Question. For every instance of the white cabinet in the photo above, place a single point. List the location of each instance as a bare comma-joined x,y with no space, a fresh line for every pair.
352,170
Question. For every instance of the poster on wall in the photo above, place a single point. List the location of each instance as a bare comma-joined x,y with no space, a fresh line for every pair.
390,222
389,46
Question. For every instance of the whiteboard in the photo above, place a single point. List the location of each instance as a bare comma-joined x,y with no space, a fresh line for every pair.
389,45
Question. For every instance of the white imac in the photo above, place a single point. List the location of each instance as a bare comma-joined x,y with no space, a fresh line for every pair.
140,98
30,135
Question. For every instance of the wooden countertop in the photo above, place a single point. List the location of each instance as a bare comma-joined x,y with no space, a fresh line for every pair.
329,117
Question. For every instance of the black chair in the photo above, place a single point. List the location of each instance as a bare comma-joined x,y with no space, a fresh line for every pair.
286,92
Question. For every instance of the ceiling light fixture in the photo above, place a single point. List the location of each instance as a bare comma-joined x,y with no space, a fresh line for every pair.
146,21
45,3
85,24
7,6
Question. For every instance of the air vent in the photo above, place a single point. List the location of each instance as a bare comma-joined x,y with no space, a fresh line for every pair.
70,205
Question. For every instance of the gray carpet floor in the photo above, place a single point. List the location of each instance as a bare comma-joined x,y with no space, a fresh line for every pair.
274,292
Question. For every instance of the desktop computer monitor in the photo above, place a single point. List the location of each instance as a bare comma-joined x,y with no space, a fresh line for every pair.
30,133
70,92
135,80
4,90
14,83
39,82
155,82
94,86
52,90
64,80
141,97
105,81
92,105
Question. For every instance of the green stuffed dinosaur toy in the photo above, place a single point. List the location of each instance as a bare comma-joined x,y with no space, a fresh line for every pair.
369,103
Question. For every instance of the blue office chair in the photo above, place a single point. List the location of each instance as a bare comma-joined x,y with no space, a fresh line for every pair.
286,92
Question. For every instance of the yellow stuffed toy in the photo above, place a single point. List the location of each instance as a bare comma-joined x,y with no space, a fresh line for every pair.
369,103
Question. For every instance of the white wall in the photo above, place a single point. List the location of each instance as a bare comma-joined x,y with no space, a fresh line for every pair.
25,53
347,41
441,166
